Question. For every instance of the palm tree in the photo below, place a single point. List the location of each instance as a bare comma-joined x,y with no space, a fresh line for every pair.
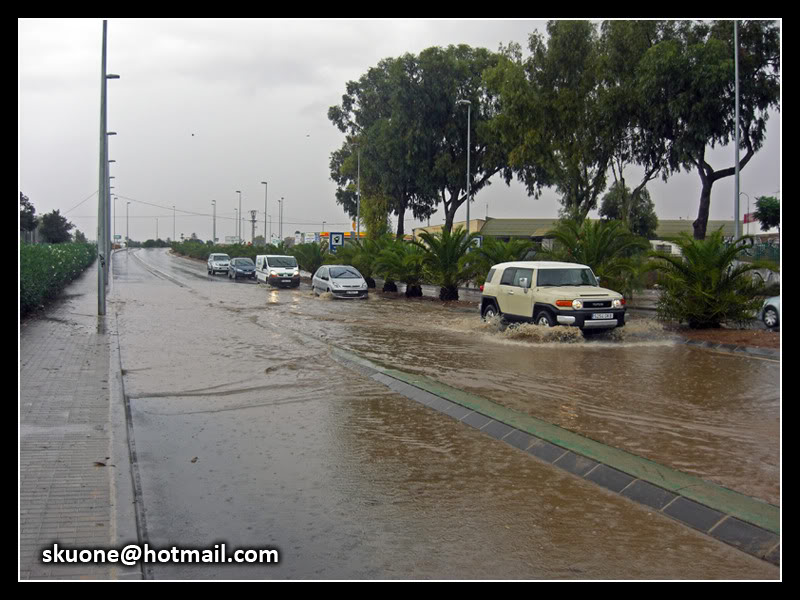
404,262
311,256
361,254
608,247
445,260
707,286
495,251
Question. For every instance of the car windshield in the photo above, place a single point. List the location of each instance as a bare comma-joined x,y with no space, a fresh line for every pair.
344,273
282,261
220,257
243,262
548,277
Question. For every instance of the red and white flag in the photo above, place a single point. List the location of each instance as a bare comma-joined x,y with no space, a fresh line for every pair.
750,218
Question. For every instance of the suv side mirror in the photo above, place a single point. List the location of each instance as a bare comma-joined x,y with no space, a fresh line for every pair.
523,282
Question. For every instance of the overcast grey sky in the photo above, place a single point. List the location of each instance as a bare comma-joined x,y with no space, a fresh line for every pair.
207,107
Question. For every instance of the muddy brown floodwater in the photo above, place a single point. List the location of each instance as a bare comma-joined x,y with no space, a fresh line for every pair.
249,433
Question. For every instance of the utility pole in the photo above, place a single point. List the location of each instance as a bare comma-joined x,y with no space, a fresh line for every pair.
253,222
266,241
214,223
736,178
102,195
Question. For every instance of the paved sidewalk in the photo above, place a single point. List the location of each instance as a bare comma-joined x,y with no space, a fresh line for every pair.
67,478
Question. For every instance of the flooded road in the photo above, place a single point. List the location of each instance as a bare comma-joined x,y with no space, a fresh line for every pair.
251,434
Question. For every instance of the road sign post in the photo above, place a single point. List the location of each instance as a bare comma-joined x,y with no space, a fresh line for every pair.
337,241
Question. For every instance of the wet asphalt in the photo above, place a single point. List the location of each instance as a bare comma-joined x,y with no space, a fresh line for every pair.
248,432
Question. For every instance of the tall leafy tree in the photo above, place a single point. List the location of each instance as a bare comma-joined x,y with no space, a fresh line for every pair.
624,110
54,228
451,75
27,214
768,212
383,139
690,83
552,118
412,135
637,212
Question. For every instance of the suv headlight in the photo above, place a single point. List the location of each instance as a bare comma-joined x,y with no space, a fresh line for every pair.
617,303
577,304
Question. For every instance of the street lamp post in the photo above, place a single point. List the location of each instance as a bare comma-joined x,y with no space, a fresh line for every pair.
127,226
736,116
469,111
265,213
747,214
238,220
280,219
173,223
103,197
108,240
214,222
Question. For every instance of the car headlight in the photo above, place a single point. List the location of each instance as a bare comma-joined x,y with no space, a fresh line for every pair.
273,273
577,304
617,303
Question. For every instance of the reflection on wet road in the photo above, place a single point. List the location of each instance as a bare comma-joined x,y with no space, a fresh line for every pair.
250,434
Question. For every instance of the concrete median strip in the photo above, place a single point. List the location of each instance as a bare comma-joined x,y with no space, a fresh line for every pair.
746,523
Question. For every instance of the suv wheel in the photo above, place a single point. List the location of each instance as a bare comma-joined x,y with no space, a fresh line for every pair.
545,318
489,311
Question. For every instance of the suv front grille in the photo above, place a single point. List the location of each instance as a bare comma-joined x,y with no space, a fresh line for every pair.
596,304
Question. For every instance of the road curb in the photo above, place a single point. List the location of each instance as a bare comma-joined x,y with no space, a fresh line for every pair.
746,350
749,524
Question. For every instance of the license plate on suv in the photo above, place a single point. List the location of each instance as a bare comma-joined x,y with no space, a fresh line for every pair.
603,316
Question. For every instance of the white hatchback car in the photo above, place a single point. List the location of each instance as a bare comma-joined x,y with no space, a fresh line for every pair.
218,262
343,281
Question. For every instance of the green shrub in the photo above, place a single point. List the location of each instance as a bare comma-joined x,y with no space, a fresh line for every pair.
44,270
705,287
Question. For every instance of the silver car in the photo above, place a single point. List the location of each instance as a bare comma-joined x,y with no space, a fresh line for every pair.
771,312
218,262
343,281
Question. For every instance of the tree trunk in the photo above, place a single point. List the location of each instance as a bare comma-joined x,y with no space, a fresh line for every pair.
450,214
401,213
413,291
701,223
448,293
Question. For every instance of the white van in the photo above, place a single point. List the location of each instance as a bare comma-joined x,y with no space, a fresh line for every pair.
281,271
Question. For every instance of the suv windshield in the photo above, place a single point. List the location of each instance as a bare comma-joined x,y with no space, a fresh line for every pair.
220,257
344,273
281,261
547,277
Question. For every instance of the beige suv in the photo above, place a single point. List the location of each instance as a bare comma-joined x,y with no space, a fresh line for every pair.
551,293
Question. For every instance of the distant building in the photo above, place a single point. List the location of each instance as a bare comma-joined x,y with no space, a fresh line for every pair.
537,229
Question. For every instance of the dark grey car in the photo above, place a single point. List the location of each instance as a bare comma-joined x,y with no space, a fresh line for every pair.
242,267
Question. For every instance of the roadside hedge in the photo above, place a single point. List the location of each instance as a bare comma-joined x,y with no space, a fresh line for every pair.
44,270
